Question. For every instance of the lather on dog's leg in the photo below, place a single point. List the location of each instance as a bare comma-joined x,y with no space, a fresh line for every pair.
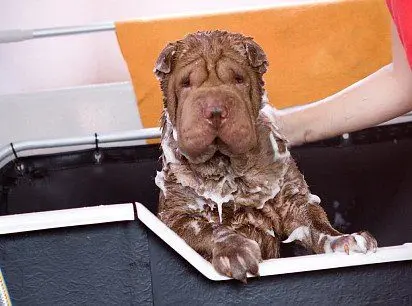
231,253
305,221
235,255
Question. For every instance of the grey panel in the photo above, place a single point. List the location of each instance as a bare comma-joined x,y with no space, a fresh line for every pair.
90,265
175,282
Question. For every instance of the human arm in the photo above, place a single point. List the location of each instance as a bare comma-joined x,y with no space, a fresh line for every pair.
382,96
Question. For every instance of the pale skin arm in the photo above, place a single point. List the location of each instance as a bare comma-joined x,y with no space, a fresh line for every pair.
382,96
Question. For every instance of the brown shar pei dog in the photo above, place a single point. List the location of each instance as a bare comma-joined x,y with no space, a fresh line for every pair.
229,186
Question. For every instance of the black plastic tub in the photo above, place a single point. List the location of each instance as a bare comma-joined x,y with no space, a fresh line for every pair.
365,182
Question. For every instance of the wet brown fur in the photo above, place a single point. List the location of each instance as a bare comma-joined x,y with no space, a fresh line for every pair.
250,214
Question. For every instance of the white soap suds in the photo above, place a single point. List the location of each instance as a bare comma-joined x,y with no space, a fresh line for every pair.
276,153
270,232
299,233
174,133
219,209
274,191
255,190
361,242
169,154
313,198
224,190
265,98
199,204
274,144
270,113
216,197
195,226
160,181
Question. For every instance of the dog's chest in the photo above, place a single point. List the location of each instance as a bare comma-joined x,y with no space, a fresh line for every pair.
222,182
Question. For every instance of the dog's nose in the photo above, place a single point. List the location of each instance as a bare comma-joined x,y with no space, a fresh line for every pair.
215,114
215,111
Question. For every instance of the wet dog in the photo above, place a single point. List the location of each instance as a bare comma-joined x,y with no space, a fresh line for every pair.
229,186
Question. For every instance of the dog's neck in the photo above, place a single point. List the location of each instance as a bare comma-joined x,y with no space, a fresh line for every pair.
249,179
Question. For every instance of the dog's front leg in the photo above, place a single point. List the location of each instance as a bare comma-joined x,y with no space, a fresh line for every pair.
234,255
305,221
231,253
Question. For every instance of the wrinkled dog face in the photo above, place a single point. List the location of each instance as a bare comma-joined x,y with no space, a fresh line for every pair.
212,86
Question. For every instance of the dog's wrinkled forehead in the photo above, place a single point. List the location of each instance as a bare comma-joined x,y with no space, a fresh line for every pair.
212,45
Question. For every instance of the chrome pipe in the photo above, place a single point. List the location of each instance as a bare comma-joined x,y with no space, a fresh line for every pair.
18,147
16,35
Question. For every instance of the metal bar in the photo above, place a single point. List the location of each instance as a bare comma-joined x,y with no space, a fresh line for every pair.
35,221
59,31
127,136
17,35
142,134
124,212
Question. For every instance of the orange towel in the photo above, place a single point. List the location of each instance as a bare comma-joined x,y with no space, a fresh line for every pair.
314,50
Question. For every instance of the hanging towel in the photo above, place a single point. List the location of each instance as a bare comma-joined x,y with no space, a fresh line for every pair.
314,50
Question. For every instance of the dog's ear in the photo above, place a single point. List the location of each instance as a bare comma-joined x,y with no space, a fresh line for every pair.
164,61
256,56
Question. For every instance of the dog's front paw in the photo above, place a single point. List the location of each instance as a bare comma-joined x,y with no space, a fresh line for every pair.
235,255
361,242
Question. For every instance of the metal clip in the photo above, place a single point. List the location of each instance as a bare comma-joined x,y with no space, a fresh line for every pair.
19,165
97,153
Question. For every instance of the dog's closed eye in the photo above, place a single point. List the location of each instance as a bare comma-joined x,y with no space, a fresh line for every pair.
185,83
239,79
